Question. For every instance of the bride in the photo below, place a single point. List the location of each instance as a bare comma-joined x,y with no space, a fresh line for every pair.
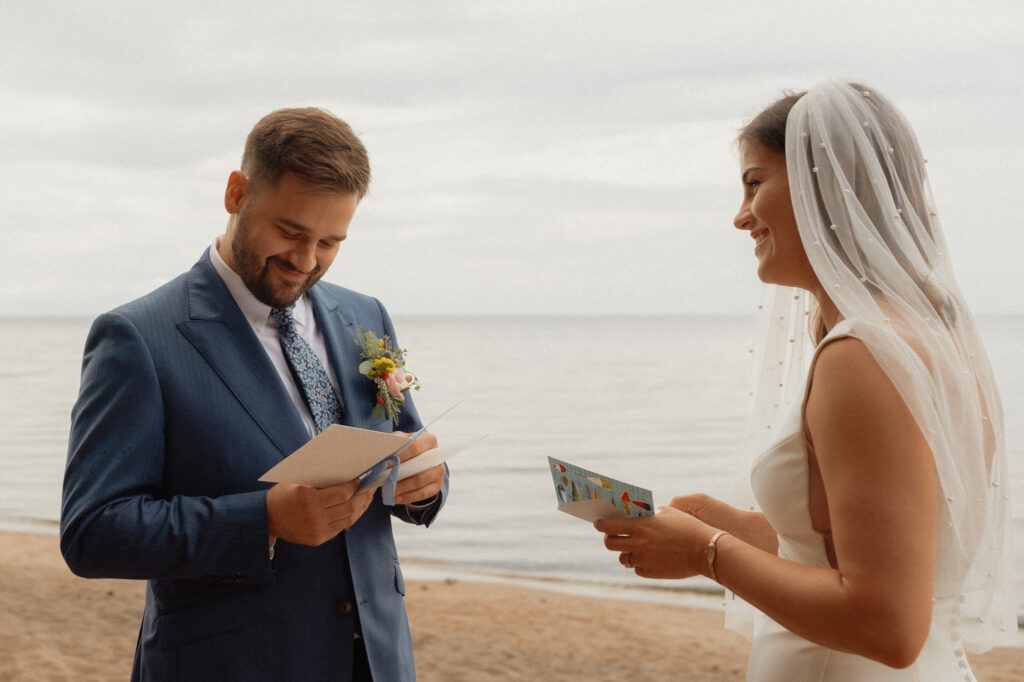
881,551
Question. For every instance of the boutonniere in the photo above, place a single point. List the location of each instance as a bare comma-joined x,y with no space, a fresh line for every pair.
385,366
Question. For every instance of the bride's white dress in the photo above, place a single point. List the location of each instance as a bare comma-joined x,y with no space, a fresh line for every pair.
780,481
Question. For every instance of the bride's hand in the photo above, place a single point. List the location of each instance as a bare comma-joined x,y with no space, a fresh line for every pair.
670,544
750,526
704,507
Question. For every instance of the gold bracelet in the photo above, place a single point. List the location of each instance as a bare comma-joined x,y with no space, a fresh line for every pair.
712,552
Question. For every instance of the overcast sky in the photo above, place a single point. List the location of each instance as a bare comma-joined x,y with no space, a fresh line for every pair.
528,157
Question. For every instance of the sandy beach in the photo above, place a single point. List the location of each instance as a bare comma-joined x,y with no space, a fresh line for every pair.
55,626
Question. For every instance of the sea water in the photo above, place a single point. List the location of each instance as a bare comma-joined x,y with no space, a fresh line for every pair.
656,401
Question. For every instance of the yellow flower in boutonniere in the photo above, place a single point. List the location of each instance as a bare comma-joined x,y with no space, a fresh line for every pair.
385,366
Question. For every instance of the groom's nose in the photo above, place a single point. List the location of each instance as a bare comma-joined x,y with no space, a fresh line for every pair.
303,257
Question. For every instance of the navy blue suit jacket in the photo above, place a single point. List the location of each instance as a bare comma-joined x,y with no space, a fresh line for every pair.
180,411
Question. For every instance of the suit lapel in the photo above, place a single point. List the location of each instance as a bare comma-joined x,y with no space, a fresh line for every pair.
220,333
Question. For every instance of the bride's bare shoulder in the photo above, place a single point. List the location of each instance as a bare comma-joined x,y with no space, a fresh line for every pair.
848,384
844,359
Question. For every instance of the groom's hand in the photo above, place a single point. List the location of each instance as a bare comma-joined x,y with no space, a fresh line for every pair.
311,516
424,485
421,487
426,441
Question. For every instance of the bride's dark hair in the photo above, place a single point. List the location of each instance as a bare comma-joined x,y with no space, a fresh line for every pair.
769,126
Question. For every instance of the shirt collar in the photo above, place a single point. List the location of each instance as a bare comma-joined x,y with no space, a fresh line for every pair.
256,311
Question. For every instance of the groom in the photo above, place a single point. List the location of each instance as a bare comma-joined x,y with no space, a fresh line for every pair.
192,392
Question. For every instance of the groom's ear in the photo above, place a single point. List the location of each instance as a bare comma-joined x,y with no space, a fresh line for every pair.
238,187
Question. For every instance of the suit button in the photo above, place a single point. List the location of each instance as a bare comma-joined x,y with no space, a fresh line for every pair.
344,607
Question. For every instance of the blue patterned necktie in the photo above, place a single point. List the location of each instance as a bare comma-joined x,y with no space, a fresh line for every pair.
311,375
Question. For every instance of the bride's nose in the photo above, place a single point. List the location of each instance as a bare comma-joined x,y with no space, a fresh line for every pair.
744,220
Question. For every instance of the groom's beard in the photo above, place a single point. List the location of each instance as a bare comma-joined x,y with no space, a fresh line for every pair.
257,275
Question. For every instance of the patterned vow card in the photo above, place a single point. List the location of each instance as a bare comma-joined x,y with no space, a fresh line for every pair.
590,496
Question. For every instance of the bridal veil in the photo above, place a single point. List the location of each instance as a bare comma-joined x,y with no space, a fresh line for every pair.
871,231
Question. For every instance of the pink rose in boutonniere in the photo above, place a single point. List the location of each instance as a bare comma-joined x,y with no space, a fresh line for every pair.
385,366
399,381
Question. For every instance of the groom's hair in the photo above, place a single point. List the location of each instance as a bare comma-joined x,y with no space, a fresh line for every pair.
312,143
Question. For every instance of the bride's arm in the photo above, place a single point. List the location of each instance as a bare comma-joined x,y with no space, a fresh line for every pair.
750,526
880,481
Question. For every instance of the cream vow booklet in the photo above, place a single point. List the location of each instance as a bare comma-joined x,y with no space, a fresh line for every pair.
343,453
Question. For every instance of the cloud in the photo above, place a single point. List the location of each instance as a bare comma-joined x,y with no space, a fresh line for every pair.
528,157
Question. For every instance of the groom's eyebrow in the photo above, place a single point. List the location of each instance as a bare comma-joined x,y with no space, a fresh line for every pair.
299,227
